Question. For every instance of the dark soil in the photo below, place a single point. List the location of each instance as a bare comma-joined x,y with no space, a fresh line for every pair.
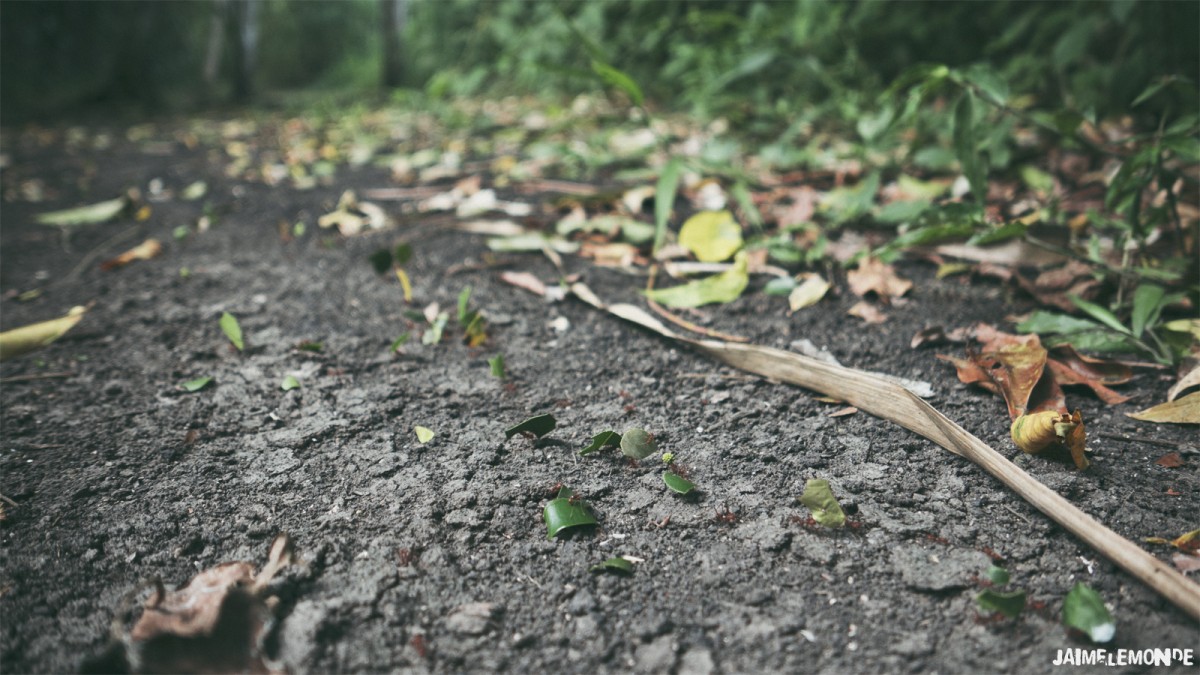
120,477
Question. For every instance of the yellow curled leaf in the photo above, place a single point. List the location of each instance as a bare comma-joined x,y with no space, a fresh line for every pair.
34,336
1035,432
712,235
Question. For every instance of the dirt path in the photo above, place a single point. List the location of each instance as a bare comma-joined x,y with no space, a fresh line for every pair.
434,556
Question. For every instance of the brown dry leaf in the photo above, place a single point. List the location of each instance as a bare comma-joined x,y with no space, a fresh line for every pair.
934,335
1070,367
524,280
214,624
143,251
1186,563
1016,369
1171,460
843,412
874,276
1053,287
1006,255
867,312
1184,410
970,372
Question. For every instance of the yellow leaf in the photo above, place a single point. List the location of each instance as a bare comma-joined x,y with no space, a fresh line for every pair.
808,293
34,336
1184,410
712,236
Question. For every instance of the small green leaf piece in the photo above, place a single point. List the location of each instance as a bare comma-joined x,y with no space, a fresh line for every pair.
381,260
638,444
232,330
402,253
819,499
602,440
289,383
1084,609
310,346
1008,604
538,426
84,215
497,364
464,299
664,199
724,287
424,434
713,236
1098,313
613,564
433,334
564,512
678,483
1147,305
997,575
196,384
1043,322
399,342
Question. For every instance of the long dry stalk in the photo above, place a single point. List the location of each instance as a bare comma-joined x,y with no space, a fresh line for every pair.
882,398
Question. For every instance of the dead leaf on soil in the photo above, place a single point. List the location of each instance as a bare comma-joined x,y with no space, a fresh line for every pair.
867,312
1171,460
351,216
875,276
143,251
1070,367
1184,410
1189,379
25,339
216,623
1054,287
808,293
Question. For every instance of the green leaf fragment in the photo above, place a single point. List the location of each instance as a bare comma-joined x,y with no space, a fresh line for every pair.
1147,305
1083,609
664,199
713,236
779,286
289,383
1098,313
399,342
424,434
613,564
196,384
819,499
1043,322
538,426
566,511
638,444
718,288
619,80
402,253
232,330
84,215
1009,604
433,335
997,575
678,483
309,346
381,260
497,365
464,300
604,439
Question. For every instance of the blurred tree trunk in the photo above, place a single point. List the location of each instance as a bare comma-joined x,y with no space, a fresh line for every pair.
392,25
245,48
216,41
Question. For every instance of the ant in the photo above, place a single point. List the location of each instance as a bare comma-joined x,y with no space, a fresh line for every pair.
726,516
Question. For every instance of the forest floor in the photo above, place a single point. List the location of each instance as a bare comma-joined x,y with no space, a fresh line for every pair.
433,556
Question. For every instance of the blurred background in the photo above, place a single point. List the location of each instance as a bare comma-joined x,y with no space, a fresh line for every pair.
759,63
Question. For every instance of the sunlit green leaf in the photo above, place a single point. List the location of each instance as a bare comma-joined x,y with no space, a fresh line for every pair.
1037,180
678,483
539,426
718,288
1009,604
746,202
1098,313
901,212
712,236
602,440
1003,233
564,512
819,499
848,203
232,330
194,191
289,383
638,444
966,146
464,300
779,286
497,365
1084,610
424,434
84,215
196,384
614,564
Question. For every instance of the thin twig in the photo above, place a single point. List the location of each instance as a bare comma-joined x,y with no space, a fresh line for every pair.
684,323
1147,441
36,376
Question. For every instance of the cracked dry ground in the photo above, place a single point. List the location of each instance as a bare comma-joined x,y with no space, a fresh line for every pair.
434,557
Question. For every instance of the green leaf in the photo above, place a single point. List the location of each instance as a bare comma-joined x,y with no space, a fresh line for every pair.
564,512
196,384
602,440
194,191
613,564
1098,313
989,83
381,260
1099,340
664,199
1083,609
310,346
638,444
678,483
1037,180
713,236
1009,604
464,299
718,288
539,426
424,434
232,330
1043,322
1147,305
497,364
819,499
997,575
91,214
901,212
746,201
289,383
1003,233
1153,89
433,334
779,286
966,144
847,203
399,342
402,253
618,79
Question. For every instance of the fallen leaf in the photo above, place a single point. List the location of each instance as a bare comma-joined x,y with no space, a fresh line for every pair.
618,564
1055,287
424,434
712,236
638,444
566,511
875,276
289,383
1084,610
1171,460
807,293
143,251
351,216
194,191
1184,410
232,330
718,288
677,483
1070,368
1189,379
196,384
602,440
819,499
524,280
496,363
1036,432
1009,604
539,426
25,339
844,412
91,214
867,312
